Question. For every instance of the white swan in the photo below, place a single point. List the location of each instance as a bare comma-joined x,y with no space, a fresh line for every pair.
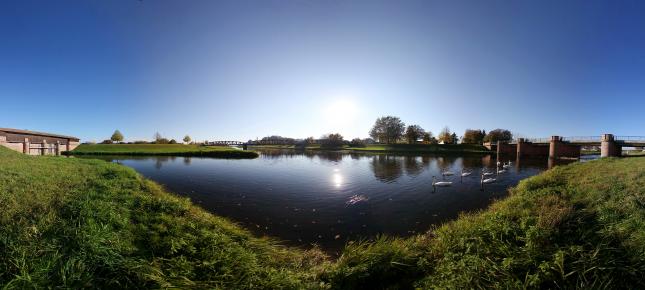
484,173
501,171
440,183
506,165
487,180
465,173
447,173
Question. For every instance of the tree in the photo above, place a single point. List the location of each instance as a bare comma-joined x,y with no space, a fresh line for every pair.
387,129
117,136
310,140
454,138
157,137
445,136
332,140
498,135
187,139
413,133
428,138
473,136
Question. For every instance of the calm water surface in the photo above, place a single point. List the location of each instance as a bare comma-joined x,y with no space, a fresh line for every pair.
328,198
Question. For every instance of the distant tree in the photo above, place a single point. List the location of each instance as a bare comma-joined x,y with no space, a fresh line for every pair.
117,136
332,140
388,129
172,141
445,136
157,137
310,140
498,135
413,133
187,139
107,141
454,138
473,136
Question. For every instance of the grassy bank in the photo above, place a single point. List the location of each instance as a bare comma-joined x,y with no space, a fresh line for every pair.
77,223
423,148
162,149
576,226
393,148
87,223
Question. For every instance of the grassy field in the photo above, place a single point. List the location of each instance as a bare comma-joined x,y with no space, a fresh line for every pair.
423,148
82,223
162,149
72,223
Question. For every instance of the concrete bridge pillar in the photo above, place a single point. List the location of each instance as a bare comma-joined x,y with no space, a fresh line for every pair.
44,149
25,146
555,142
520,144
609,147
559,148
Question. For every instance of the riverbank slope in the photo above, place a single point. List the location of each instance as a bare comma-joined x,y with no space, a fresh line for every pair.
162,149
83,223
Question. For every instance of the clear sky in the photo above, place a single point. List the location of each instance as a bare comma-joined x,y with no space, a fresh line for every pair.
238,70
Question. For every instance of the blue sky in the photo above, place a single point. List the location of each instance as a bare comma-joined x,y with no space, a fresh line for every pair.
245,69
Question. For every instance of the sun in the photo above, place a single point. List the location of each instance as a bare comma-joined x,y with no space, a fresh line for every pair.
340,111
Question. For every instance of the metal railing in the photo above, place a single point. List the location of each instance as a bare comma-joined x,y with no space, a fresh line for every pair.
582,139
638,139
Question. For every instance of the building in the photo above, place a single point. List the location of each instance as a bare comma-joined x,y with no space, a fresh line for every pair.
36,143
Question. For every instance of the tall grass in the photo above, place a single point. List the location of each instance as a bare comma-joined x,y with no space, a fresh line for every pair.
75,223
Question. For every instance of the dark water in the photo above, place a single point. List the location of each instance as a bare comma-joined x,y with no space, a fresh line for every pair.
328,198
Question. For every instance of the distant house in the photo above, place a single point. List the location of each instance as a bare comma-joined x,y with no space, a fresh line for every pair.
36,143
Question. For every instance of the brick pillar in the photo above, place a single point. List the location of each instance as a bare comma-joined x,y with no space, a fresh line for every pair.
554,145
520,143
25,146
44,149
609,147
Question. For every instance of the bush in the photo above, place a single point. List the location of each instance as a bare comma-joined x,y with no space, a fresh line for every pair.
172,141
107,142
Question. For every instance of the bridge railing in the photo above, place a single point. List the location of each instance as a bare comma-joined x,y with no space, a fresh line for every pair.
639,139
582,139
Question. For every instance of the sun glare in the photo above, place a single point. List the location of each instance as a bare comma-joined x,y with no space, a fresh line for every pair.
340,111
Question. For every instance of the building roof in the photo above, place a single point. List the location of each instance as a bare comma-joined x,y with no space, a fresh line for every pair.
26,132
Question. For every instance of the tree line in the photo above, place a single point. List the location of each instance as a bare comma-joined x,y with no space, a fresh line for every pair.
391,130
117,137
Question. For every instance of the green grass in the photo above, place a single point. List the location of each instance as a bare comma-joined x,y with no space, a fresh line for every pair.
394,148
72,223
423,148
83,223
577,226
162,149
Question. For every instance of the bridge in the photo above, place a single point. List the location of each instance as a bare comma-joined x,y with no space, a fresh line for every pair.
567,147
225,143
